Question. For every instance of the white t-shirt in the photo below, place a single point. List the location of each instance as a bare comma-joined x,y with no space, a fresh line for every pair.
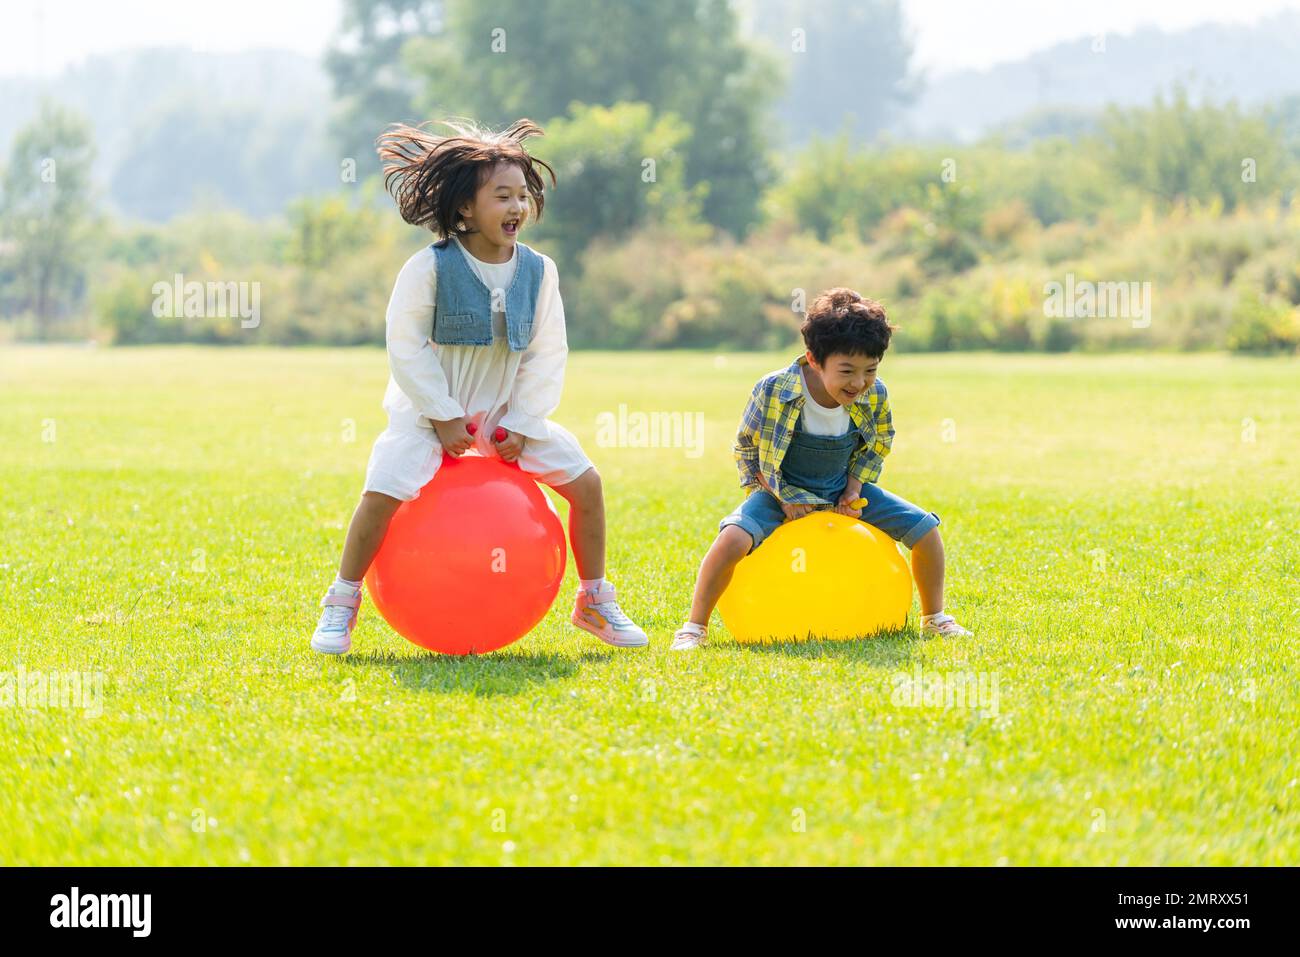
819,420
438,382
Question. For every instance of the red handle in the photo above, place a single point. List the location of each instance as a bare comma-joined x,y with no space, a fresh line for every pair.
498,436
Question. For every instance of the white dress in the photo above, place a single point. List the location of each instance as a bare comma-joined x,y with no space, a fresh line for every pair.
492,385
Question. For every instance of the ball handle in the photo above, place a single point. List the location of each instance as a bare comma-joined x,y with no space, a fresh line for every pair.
497,436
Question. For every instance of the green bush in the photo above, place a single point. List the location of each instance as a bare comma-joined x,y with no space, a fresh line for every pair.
1262,325
618,169
657,290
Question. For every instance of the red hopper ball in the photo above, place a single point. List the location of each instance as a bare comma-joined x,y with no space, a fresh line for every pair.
473,563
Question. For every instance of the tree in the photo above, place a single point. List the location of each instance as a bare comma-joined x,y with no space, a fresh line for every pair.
848,63
501,61
45,212
1180,151
830,186
244,155
372,85
619,168
323,229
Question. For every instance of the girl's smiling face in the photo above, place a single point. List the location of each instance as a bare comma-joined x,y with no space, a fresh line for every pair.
499,208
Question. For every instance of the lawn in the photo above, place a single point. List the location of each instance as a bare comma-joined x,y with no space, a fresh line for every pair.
1120,535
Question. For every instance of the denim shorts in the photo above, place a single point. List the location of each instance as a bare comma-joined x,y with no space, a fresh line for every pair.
760,514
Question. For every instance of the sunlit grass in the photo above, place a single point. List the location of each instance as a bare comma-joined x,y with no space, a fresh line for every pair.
1120,534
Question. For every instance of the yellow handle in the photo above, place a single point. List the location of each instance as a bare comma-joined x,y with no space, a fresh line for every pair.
858,503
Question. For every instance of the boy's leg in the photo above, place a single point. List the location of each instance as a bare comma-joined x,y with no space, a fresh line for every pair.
896,516
732,544
918,530
927,570
738,534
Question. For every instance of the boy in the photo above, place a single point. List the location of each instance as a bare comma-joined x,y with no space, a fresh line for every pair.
815,435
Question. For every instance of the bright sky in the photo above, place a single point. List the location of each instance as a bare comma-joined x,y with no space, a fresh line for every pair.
951,34
43,36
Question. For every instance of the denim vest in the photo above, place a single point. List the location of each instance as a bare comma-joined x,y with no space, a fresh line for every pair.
819,463
462,307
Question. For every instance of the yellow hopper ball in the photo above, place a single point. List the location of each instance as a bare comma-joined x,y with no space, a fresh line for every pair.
821,576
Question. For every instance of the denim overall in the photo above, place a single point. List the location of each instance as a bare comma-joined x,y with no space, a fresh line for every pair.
462,307
820,464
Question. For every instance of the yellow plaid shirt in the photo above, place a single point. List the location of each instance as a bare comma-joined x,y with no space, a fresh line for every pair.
769,421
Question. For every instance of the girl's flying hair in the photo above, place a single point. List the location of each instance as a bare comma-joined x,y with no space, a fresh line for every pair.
431,177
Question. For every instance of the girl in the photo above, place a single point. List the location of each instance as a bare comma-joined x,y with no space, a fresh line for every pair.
475,332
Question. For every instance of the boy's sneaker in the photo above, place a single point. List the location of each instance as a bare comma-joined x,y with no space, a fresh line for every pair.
333,635
687,638
945,626
598,613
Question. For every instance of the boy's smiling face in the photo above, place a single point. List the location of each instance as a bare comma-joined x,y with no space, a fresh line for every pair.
499,208
843,377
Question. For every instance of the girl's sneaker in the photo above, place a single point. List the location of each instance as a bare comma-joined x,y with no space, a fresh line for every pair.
687,638
945,626
598,613
333,634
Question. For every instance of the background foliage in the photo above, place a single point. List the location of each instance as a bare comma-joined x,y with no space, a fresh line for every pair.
713,172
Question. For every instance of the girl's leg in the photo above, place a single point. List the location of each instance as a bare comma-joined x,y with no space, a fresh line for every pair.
595,609
366,533
927,570
586,500
333,635
732,544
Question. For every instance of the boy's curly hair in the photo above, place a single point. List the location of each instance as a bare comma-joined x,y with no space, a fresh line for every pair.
432,176
841,321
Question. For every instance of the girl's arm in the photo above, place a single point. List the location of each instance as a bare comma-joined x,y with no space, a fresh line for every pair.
411,356
539,382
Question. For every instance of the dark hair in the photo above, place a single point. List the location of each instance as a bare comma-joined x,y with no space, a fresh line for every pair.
841,321
432,176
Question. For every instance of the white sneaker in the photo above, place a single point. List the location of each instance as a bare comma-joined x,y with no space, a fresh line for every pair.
599,614
945,626
333,635
686,639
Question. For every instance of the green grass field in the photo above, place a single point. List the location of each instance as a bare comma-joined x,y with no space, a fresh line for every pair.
1120,534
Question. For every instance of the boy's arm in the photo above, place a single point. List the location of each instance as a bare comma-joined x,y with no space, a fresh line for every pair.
411,356
539,383
868,461
746,448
